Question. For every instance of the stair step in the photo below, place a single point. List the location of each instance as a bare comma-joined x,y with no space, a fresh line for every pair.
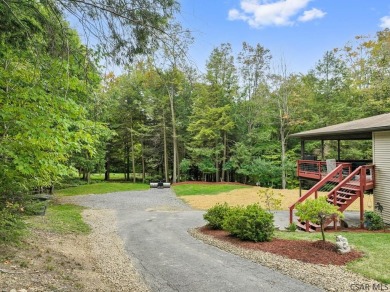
312,226
338,197
351,188
347,193
337,202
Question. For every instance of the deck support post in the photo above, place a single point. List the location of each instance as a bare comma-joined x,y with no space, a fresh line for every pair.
300,187
322,151
361,206
338,150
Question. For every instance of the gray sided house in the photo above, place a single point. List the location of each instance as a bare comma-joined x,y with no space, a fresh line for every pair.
351,179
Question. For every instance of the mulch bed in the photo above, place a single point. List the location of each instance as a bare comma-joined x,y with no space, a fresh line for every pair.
315,252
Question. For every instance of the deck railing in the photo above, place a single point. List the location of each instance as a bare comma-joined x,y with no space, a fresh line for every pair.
314,169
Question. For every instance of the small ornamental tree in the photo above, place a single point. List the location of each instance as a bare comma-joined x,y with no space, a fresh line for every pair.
318,211
271,200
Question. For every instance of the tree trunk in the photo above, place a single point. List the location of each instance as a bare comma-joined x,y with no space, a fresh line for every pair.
178,166
174,136
143,161
224,156
132,151
107,172
165,150
283,157
127,151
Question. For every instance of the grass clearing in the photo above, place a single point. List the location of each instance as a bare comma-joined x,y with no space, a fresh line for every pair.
113,176
205,189
101,188
376,262
61,219
246,196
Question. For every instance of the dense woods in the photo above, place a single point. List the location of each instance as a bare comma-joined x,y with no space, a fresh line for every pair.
162,119
232,122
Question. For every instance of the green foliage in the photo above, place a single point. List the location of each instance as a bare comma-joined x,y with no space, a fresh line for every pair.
292,227
185,166
373,220
204,189
48,83
271,200
318,211
216,215
12,227
250,223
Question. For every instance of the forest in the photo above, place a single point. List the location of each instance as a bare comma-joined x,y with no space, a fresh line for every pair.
62,115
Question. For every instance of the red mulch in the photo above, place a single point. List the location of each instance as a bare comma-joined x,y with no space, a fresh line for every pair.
317,252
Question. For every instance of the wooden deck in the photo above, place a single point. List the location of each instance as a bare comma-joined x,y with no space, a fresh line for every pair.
317,170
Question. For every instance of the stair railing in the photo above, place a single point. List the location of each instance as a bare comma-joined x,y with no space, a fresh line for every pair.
334,175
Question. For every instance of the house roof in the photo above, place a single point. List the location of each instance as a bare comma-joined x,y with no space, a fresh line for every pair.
355,130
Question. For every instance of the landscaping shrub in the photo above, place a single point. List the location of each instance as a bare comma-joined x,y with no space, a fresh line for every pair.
373,220
292,227
216,215
250,223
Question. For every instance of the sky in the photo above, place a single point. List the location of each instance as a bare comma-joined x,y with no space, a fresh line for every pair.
297,32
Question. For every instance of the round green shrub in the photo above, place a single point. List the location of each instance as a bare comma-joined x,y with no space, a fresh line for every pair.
215,215
250,223
373,220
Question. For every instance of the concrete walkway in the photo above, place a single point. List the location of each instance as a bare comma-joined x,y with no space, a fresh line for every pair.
282,218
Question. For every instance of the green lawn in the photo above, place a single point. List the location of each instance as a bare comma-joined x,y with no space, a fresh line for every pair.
204,189
376,262
113,176
101,188
61,219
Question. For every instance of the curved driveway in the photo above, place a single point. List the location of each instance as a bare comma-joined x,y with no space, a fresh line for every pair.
153,225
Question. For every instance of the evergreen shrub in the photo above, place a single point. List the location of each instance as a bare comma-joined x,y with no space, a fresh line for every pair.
215,215
250,223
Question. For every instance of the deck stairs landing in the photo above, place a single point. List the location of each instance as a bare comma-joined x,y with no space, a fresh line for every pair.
342,187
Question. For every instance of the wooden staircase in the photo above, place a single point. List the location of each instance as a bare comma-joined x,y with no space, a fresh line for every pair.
347,187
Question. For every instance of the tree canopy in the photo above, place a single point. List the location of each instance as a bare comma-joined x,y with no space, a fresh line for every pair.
162,119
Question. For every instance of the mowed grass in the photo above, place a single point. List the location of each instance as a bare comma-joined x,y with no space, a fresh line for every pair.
250,195
376,261
62,219
205,189
113,176
101,188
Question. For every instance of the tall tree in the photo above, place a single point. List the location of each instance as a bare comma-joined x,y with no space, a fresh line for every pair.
254,65
212,118
174,58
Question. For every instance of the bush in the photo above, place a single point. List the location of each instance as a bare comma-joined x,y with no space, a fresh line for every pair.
292,227
216,215
12,227
373,220
249,223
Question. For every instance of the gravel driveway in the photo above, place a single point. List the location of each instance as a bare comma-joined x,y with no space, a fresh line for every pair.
153,225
